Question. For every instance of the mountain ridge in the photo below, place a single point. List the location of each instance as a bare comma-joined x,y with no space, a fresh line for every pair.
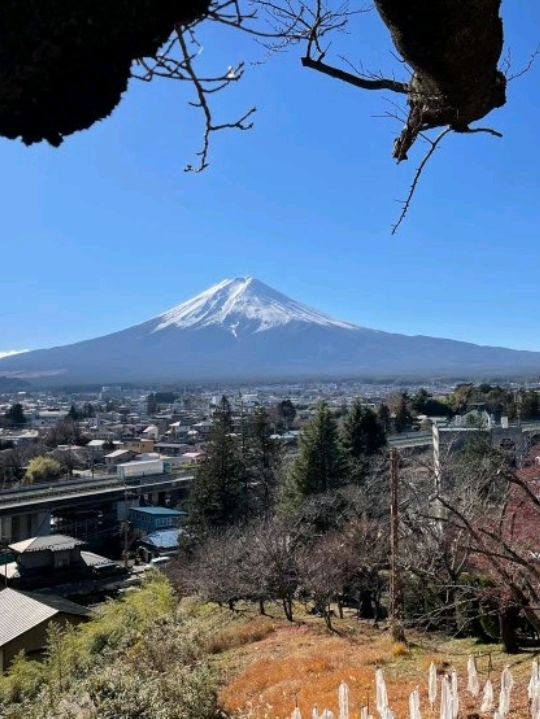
241,328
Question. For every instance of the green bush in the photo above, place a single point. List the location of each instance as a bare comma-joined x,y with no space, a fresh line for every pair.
43,468
140,658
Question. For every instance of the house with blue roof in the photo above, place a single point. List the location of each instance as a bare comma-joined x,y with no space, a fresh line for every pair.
152,519
160,543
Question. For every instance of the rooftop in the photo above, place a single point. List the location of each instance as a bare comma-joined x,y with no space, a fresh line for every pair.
117,453
163,539
22,611
54,542
156,511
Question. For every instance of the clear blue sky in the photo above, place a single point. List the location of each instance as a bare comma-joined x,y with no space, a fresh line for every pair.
108,231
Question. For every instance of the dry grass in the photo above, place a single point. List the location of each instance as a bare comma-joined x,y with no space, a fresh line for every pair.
304,664
240,633
400,649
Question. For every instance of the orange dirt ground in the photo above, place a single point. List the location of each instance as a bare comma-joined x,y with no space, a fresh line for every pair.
303,663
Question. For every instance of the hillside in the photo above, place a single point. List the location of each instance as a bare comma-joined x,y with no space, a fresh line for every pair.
146,657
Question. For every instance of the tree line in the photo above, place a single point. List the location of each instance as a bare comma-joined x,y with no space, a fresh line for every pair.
246,474
313,531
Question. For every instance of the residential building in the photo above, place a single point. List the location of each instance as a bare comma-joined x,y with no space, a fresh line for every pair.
152,519
25,619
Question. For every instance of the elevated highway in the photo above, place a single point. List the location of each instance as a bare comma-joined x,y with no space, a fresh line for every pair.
26,511
425,439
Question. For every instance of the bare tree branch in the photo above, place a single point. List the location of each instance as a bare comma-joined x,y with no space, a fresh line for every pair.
357,81
407,202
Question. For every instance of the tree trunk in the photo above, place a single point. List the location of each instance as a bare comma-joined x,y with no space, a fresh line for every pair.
261,607
453,49
365,607
507,623
327,614
287,608
396,586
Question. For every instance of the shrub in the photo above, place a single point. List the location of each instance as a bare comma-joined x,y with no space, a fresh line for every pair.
139,659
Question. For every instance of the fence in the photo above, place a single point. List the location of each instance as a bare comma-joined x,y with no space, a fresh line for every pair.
441,695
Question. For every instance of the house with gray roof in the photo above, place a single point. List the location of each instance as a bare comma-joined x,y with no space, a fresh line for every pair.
25,618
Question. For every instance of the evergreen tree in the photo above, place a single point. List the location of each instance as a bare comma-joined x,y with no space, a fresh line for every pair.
287,412
403,419
319,466
218,492
420,400
15,414
383,415
362,436
73,413
423,403
224,413
530,405
263,458
88,410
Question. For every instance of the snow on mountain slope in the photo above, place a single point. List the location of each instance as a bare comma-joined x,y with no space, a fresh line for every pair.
242,329
243,304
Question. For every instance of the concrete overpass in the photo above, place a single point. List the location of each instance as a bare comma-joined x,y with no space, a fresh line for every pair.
26,511
525,430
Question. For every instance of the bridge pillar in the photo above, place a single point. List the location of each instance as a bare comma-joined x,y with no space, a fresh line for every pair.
24,526
40,524
5,529
123,506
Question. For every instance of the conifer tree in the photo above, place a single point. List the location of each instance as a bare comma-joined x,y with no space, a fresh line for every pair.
362,437
403,419
287,413
319,466
15,414
263,458
218,492
73,413
383,415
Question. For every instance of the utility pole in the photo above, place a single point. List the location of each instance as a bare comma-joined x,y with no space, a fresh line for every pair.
125,552
396,587
437,475
126,527
519,403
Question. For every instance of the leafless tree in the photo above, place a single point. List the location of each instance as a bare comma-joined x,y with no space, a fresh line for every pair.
471,546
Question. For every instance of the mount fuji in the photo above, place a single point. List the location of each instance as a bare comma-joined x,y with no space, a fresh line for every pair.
242,329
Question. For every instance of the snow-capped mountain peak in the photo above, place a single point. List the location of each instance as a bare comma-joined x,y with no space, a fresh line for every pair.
242,304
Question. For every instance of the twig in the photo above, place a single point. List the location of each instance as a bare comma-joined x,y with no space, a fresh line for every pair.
202,103
488,130
524,70
407,202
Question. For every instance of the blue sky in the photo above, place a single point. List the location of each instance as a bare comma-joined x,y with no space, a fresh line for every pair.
108,230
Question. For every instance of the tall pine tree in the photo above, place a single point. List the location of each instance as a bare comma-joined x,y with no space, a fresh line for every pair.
15,414
362,436
218,492
319,466
383,415
263,458
402,419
